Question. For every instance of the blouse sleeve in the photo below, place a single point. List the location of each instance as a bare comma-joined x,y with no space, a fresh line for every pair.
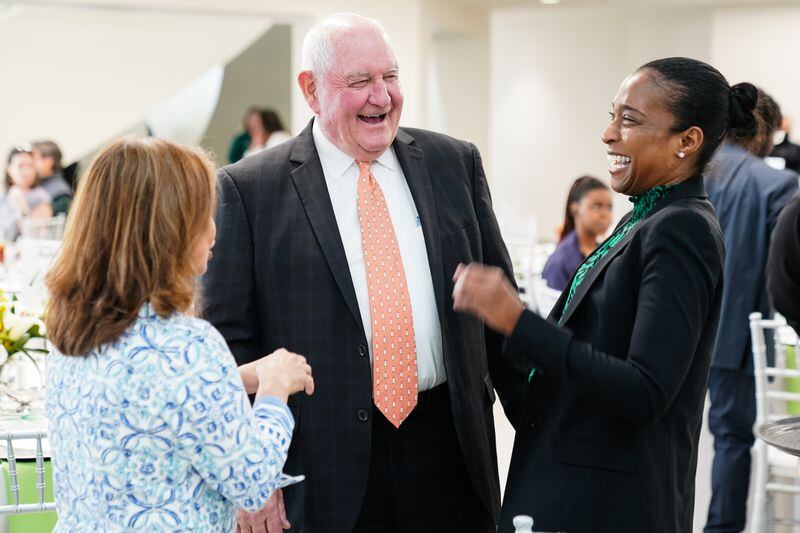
239,451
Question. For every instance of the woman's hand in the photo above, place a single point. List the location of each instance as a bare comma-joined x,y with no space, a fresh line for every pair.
485,292
282,373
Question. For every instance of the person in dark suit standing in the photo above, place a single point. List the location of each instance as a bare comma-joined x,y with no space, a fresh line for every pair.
785,148
783,264
748,195
609,431
341,244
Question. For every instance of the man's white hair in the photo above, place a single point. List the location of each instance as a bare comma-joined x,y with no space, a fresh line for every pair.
318,42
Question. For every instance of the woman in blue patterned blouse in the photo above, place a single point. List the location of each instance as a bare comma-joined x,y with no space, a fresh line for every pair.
150,425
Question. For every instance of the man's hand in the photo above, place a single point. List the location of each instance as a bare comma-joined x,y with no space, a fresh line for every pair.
485,292
270,519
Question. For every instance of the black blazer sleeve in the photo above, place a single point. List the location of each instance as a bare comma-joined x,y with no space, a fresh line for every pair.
680,270
783,265
229,283
508,380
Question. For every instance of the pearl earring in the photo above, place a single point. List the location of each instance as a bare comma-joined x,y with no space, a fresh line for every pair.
681,154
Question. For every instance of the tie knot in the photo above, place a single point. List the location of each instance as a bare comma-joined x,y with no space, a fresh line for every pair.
364,165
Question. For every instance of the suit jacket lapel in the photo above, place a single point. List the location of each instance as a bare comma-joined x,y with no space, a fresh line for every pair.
309,180
693,187
412,161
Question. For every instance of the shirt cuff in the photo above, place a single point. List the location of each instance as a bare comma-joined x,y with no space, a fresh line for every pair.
276,407
269,400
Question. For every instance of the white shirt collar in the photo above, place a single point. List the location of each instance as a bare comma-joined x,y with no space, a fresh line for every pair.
335,162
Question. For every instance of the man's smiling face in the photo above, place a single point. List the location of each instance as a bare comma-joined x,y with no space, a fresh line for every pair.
359,99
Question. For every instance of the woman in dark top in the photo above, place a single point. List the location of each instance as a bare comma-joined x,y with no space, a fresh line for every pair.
783,265
587,217
611,415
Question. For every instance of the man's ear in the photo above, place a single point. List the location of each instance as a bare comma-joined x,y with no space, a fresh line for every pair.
308,85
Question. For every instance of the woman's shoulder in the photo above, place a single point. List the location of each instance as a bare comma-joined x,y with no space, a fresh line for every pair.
174,333
567,249
688,222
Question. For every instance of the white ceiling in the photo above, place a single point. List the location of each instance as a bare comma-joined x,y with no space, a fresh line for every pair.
500,4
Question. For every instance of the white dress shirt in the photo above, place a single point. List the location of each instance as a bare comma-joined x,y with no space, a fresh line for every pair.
341,177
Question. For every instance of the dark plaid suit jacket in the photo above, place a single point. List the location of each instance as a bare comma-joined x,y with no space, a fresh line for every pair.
279,278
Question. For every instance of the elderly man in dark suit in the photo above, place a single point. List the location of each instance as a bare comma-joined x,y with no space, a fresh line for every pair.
341,244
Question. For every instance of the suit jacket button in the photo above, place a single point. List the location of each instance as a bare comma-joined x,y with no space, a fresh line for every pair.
363,415
362,350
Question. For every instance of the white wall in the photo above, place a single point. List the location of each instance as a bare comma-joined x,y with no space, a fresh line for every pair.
554,73
109,64
80,75
761,46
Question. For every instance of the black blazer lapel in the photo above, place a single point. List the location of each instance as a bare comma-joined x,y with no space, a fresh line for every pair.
412,161
693,187
309,180
590,278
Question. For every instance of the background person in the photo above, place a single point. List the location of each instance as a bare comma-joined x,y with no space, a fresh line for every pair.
241,141
783,265
266,130
24,198
47,160
784,147
747,195
587,217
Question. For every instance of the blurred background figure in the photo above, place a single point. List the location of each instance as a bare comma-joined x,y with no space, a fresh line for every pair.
241,142
783,265
587,217
266,130
47,160
748,196
784,148
24,197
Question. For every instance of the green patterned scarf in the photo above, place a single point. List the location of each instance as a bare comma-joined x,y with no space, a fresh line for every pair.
642,205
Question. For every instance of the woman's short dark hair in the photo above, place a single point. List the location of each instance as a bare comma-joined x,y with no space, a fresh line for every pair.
51,150
580,188
699,95
270,120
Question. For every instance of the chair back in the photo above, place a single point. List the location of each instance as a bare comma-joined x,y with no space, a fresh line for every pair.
778,382
14,506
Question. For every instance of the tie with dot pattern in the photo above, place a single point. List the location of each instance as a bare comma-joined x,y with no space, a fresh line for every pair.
394,351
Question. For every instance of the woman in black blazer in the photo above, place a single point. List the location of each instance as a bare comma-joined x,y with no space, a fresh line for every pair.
607,438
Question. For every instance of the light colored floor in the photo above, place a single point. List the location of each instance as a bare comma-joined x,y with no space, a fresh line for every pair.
505,441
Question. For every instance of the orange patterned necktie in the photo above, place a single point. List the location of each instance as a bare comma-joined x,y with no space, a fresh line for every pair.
394,351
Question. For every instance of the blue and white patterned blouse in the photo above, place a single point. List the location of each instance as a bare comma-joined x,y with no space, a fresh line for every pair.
154,432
